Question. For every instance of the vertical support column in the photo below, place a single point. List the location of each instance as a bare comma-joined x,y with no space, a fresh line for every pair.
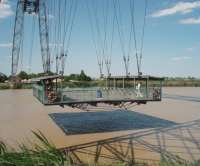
109,83
61,88
114,83
123,82
106,82
98,152
132,152
147,88
44,97
56,84
159,145
134,82
44,37
17,36
161,89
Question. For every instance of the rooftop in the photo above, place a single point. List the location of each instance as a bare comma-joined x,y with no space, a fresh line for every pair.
45,78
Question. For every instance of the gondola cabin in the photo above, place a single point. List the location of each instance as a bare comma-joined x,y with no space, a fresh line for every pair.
45,89
118,89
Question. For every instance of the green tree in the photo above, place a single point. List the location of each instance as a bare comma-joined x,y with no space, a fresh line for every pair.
33,75
23,75
3,77
84,77
78,77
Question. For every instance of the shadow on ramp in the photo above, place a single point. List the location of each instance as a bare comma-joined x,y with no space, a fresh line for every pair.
96,122
176,144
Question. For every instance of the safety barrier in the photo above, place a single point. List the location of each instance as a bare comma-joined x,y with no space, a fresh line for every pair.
104,94
97,94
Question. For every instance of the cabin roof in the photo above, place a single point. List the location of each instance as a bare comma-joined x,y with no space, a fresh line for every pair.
45,78
136,77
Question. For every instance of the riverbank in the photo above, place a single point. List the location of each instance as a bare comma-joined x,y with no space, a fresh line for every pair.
96,83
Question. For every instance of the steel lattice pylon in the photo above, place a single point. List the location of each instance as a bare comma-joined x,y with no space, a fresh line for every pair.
31,7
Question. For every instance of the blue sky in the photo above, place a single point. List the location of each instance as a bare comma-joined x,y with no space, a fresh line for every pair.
171,42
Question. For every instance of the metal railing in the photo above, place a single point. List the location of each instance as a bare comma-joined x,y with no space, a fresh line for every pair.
98,94
39,93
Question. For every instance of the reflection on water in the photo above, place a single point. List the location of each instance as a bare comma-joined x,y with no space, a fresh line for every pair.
95,122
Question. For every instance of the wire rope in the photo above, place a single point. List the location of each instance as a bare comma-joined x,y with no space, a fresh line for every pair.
140,53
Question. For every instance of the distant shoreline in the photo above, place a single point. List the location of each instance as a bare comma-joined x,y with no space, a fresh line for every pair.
166,83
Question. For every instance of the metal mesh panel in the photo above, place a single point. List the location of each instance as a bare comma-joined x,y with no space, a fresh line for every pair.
111,94
98,94
38,92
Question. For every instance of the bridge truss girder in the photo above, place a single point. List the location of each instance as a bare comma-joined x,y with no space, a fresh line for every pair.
30,7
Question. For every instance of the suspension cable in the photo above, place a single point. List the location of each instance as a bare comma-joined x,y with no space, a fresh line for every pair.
112,34
92,29
22,49
142,39
138,54
144,24
96,46
132,9
105,22
117,6
71,27
63,30
126,54
101,38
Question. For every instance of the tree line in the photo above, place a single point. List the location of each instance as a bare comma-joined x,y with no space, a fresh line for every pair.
80,77
25,76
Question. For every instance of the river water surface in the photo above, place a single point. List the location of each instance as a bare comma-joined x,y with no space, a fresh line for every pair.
20,113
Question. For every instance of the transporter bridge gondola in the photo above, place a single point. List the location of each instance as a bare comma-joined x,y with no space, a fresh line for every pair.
104,24
119,90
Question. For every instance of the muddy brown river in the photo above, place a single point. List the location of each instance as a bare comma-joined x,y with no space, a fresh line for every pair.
157,128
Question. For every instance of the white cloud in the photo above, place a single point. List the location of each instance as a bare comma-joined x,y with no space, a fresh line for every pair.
190,21
180,7
5,45
181,58
5,9
194,47
55,44
190,48
50,16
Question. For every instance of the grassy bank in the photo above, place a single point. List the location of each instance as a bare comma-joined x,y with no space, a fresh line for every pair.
46,154
181,82
4,86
